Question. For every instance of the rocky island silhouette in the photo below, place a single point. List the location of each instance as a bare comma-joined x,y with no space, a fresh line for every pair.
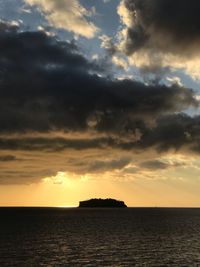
102,203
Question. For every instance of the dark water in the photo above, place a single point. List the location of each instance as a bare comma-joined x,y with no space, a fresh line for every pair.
96,237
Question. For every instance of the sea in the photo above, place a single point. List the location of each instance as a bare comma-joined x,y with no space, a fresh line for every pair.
54,237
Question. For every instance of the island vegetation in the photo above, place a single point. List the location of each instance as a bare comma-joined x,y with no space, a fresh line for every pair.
102,203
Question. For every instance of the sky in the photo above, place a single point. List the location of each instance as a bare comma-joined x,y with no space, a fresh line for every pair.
100,98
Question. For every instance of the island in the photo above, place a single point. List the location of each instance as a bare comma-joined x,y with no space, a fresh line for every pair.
102,203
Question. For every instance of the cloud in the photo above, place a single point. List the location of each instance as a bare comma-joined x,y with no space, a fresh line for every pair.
171,26
161,33
120,62
7,158
59,112
102,166
67,93
160,165
178,132
68,15
107,44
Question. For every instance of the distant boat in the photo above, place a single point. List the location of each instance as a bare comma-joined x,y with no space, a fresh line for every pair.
102,203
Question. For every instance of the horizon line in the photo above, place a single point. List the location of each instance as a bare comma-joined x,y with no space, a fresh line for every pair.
131,207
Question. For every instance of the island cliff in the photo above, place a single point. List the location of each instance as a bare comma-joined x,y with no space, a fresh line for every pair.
102,203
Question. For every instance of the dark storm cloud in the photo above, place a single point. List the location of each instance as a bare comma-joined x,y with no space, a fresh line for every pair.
53,144
48,85
178,132
165,25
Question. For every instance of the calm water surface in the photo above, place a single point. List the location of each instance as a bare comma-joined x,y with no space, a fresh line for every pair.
99,237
